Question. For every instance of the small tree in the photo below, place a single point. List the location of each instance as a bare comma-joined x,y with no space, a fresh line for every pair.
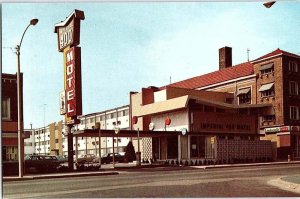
129,152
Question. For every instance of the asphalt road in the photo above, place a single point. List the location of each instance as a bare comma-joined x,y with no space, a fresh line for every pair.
222,182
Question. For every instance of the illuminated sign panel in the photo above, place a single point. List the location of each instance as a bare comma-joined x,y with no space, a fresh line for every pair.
73,81
66,35
68,31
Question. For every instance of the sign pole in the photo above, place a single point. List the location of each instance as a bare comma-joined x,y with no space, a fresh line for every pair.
70,148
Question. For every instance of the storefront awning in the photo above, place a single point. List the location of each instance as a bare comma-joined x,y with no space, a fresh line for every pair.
243,91
266,87
267,66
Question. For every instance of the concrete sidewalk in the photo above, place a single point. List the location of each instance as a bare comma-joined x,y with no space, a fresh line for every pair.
121,167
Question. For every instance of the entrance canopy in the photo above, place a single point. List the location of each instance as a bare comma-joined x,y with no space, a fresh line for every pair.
133,133
122,133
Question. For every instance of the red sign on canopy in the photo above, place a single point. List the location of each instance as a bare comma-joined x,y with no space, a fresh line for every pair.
134,119
167,121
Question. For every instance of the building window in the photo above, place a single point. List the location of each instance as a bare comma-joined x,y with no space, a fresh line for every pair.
293,88
120,113
91,120
113,115
56,140
27,144
267,90
244,96
267,118
6,108
82,121
197,146
102,118
267,68
293,66
294,112
98,119
126,112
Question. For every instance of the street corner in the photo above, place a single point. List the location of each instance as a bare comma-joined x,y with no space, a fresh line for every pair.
288,183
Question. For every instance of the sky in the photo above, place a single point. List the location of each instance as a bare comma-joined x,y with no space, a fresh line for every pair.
126,46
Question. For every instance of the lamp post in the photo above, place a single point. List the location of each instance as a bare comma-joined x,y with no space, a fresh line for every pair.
44,109
19,96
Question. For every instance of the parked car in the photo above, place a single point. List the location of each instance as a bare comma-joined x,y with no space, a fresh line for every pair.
108,158
86,158
62,159
41,163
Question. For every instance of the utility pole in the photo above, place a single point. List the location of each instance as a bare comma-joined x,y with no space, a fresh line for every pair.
44,108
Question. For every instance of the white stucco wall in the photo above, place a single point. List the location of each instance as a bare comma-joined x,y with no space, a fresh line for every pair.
179,120
160,96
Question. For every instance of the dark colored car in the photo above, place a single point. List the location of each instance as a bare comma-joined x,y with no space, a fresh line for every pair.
62,159
108,158
86,158
41,163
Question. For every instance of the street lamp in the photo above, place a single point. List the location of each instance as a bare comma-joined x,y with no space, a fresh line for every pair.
269,4
44,107
19,96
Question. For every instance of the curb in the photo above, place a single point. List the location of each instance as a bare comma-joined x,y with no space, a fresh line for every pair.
65,175
285,185
242,165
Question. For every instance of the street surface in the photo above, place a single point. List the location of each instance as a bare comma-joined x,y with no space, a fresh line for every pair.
161,182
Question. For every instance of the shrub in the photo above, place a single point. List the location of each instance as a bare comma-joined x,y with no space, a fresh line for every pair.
130,152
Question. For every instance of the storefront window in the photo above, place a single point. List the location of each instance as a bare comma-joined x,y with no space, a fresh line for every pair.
172,147
9,153
197,146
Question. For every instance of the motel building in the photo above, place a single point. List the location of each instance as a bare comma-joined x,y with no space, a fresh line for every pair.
246,111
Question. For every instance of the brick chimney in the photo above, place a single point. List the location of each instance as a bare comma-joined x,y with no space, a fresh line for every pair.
225,57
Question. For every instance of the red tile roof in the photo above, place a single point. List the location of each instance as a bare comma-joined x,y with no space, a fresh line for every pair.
275,52
237,71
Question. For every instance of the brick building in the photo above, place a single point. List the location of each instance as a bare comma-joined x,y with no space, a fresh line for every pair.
10,117
266,87
9,123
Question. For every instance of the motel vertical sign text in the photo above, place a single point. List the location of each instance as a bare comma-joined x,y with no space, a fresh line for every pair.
68,37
